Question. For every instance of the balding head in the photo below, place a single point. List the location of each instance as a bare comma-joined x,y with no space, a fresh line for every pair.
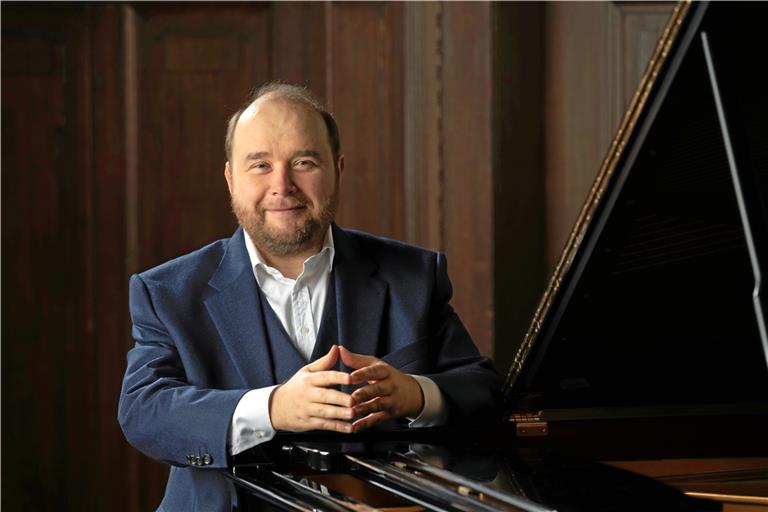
293,94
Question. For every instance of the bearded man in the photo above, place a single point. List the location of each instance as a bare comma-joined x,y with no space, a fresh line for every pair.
292,324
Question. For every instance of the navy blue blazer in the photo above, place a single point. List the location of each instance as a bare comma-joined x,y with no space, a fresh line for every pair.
200,346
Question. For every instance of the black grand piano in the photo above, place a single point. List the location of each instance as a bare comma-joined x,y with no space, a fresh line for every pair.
642,383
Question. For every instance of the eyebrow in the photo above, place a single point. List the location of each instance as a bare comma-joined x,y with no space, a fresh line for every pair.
307,152
258,155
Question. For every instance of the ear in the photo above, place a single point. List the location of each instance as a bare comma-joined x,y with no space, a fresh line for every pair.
228,176
341,165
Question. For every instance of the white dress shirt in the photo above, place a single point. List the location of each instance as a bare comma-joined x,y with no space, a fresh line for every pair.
299,305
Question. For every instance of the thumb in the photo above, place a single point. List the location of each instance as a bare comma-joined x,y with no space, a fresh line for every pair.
326,362
355,361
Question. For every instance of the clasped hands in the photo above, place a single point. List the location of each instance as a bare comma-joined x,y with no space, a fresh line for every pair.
308,402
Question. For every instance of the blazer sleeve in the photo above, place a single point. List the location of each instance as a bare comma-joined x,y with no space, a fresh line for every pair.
469,381
160,413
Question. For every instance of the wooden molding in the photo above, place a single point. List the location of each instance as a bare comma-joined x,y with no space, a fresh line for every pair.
422,118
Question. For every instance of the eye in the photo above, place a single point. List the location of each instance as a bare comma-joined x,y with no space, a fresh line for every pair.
304,164
258,167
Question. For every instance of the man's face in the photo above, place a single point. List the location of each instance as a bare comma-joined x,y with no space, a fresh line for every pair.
282,178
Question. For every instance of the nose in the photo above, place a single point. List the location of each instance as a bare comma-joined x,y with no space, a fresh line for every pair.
281,181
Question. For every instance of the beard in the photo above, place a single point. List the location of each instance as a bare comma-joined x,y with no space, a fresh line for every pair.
309,230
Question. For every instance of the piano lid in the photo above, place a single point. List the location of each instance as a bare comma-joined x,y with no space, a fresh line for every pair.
657,300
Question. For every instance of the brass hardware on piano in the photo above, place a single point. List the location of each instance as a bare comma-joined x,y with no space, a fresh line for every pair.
529,425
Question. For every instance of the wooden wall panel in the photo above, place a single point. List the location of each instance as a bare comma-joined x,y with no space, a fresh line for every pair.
519,200
468,164
577,87
637,28
423,123
596,54
49,391
365,93
110,325
300,44
196,65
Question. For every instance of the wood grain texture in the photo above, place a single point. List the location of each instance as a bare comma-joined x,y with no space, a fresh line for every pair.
366,96
49,392
637,28
519,199
577,84
110,326
596,54
299,44
468,160
422,131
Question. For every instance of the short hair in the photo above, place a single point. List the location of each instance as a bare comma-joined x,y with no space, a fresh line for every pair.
294,93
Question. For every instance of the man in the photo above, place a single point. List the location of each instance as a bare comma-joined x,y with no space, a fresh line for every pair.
293,323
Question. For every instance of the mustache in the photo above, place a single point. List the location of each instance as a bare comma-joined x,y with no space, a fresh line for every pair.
282,205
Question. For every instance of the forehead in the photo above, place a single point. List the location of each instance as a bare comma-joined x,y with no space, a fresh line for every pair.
278,121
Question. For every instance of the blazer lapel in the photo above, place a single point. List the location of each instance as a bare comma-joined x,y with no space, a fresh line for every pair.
360,297
236,314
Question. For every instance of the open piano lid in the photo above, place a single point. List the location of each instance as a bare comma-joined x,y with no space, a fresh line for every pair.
656,303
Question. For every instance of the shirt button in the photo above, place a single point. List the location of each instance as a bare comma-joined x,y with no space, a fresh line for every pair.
304,330
259,434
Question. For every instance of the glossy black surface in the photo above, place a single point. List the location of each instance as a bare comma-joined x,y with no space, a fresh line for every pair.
505,473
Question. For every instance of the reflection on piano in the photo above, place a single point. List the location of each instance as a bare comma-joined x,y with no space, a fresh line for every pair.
642,383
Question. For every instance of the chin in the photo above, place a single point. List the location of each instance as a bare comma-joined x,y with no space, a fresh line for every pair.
286,229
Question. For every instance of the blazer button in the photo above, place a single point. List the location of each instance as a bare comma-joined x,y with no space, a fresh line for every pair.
190,459
198,461
207,459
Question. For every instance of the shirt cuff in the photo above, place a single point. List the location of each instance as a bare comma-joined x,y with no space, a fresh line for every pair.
434,412
251,424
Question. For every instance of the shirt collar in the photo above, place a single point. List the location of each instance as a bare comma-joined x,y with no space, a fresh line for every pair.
326,253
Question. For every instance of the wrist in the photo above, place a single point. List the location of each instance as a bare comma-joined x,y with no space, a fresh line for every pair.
274,414
418,395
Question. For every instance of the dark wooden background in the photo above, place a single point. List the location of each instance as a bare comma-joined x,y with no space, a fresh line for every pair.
472,128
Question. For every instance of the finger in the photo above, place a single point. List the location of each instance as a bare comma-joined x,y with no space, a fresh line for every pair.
330,412
370,420
326,362
332,397
378,404
332,425
378,371
371,391
355,360
329,378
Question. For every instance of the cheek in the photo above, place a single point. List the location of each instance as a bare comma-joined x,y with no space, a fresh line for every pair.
318,189
248,192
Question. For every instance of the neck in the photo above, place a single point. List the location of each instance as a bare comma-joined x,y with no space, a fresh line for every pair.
291,265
